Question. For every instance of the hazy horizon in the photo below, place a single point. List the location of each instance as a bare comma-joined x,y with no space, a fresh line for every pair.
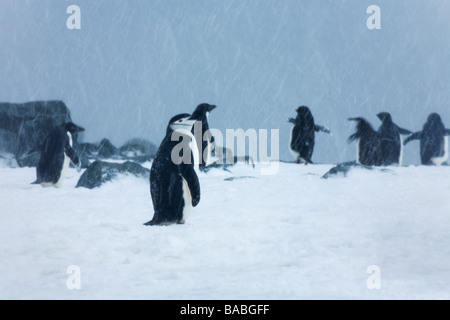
135,64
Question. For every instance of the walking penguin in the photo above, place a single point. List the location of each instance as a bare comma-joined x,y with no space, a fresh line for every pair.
56,152
433,141
302,138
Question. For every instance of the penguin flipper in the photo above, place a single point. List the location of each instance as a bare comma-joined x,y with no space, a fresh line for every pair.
70,152
414,136
353,137
189,174
403,131
318,128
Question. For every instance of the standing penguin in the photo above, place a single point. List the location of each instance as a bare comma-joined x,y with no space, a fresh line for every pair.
368,143
205,141
174,186
56,154
302,138
433,141
391,140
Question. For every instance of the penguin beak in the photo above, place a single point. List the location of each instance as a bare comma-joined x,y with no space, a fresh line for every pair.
211,108
80,129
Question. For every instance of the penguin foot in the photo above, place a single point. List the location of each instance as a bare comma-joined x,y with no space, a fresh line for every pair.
150,223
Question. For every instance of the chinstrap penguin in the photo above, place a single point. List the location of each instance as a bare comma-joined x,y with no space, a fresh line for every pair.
174,186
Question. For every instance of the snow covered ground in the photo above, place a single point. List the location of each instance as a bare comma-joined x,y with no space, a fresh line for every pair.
288,236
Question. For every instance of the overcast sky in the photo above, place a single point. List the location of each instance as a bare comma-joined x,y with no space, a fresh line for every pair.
135,64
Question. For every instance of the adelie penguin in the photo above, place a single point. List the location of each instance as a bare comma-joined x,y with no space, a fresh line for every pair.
368,143
302,140
391,140
204,139
433,141
174,184
56,152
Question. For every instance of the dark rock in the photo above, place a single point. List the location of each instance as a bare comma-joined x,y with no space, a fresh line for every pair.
239,178
344,168
23,126
139,150
136,150
100,172
107,150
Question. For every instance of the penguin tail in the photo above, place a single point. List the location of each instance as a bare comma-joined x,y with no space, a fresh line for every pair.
36,182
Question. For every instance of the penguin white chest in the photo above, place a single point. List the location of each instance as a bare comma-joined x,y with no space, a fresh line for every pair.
207,154
400,158
358,142
187,200
65,164
194,151
440,160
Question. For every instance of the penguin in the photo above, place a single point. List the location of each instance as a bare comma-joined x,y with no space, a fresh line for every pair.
205,141
433,141
56,152
174,187
391,140
302,139
368,143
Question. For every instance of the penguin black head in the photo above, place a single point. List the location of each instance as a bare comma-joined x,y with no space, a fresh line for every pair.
202,110
304,116
363,127
181,121
72,128
434,123
384,116
303,111
434,118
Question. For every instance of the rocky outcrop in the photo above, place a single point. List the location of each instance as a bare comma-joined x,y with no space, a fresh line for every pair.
343,169
23,126
100,172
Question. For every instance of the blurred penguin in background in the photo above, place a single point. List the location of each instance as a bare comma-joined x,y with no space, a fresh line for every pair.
433,141
368,143
205,141
302,138
391,140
